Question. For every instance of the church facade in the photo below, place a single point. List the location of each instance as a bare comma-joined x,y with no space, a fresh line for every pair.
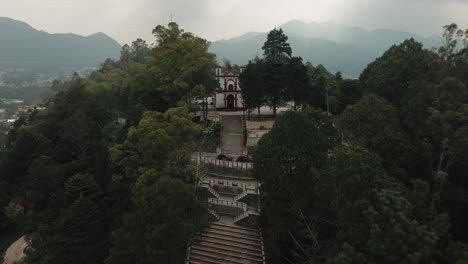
228,95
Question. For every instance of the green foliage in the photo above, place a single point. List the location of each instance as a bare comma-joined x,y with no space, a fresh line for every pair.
161,144
373,123
298,82
164,217
417,243
277,53
79,186
180,62
276,48
77,233
348,94
350,174
392,75
152,169
211,137
323,88
304,136
452,37
276,79
104,174
390,234
253,87
97,157
287,161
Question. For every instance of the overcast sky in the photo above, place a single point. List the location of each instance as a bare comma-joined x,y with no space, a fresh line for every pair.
126,20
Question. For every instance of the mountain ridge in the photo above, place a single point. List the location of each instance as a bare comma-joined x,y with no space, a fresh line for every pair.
24,46
339,48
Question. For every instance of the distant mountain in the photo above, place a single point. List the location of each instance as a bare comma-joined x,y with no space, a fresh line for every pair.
23,46
339,48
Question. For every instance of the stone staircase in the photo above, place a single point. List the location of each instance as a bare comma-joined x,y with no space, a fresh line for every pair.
241,195
240,217
201,172
214,214
227,243
214,192
234,236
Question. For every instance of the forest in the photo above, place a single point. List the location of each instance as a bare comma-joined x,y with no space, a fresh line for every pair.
370,170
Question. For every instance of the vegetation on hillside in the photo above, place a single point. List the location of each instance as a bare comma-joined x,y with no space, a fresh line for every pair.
107,164
363,171
381,180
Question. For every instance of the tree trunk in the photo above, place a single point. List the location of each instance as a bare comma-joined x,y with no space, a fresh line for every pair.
328,105
274,100
205,111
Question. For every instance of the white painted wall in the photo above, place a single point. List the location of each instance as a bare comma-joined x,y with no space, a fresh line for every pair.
220,96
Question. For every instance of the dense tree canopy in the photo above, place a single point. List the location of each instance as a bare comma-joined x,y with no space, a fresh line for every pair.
391,188
181,65
362,171
252,81
286,164
373,123
78,175
276,47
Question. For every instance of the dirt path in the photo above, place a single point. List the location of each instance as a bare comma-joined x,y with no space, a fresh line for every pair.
15,252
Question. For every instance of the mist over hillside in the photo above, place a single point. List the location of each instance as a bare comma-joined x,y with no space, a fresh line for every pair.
22,46
339,48
31,59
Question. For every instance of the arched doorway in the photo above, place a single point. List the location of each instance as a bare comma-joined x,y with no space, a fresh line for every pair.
230,101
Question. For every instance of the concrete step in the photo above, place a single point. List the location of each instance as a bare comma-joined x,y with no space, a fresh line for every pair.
237,227
228,254
233,235
207,257
238,250
194,261
204,260
230,244
234,241
235,230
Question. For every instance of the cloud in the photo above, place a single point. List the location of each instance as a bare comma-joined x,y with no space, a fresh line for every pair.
127,20
144,15
419,16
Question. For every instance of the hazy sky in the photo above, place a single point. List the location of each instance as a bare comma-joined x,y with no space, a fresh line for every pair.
126,20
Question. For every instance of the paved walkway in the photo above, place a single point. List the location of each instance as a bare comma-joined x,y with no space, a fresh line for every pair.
233,237
15,253
231,141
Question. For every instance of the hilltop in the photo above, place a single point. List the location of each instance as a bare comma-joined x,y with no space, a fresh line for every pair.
23,46
337,47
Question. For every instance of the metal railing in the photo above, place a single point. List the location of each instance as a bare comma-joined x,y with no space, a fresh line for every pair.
216,215
257,125
229,172
229,183
215,201
241,216
225,163
226,168
213,192
241,195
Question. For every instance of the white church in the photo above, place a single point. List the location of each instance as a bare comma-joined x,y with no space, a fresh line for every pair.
228,96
